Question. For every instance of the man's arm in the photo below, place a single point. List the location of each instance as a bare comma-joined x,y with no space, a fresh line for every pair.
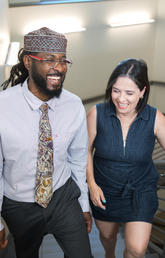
3,241
77,157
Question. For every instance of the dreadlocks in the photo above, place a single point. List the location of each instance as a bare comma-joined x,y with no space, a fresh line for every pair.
18,73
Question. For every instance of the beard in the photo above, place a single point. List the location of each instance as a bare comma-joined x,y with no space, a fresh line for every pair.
41,83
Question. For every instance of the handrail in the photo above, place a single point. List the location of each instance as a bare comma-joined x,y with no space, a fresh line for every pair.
159,220
157,240
160,164
157,83
155,248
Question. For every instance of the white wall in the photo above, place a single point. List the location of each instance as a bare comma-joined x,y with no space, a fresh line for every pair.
157,94
159,54
4,36
96,51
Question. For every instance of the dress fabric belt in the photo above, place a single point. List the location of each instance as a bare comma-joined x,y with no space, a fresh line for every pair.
136,194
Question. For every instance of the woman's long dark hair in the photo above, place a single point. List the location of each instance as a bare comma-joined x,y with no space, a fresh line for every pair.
136,70
18,73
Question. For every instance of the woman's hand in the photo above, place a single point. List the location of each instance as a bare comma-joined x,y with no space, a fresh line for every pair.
97,196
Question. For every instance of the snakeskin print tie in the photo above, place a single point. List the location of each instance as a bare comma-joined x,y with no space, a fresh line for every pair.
43,191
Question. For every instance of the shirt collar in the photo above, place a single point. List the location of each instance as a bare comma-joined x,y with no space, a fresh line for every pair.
110,111
35,102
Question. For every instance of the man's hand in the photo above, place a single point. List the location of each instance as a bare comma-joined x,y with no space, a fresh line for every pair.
88,221
3,241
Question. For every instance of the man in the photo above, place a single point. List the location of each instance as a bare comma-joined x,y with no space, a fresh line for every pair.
43,152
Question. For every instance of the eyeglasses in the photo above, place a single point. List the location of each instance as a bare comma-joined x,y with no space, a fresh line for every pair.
52,62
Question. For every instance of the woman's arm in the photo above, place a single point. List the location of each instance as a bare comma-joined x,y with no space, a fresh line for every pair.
160,128
96,193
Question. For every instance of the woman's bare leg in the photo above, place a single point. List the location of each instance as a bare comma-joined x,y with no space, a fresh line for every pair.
137,235
108,236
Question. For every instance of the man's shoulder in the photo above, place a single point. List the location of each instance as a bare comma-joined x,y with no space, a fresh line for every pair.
10,92
10,96
69,96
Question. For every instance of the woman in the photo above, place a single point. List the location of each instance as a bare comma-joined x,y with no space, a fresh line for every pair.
121,176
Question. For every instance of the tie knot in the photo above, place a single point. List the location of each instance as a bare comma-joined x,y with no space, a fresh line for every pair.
44,108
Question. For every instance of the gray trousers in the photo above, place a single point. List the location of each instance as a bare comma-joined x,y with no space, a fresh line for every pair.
63,217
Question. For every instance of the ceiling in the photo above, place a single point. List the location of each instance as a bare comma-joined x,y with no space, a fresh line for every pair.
17,3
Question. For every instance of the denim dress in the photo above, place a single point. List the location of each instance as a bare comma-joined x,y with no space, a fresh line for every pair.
125,173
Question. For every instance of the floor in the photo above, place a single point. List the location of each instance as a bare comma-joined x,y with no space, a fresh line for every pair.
50,248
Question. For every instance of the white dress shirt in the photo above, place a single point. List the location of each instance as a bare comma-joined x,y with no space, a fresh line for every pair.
19,128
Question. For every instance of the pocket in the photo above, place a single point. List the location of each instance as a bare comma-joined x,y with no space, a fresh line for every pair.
149,203
75,190
16,215
9,206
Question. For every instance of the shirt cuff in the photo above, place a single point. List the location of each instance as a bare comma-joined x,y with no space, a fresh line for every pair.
84,205
1,225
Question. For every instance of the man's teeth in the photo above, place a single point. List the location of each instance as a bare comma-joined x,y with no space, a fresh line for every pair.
54,77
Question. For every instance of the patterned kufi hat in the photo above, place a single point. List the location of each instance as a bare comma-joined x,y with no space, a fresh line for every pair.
45,40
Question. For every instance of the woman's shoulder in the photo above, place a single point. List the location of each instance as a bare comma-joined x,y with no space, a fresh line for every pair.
99,110
149,112
160,127
91,111
103,106
160,118
95,111
149,108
